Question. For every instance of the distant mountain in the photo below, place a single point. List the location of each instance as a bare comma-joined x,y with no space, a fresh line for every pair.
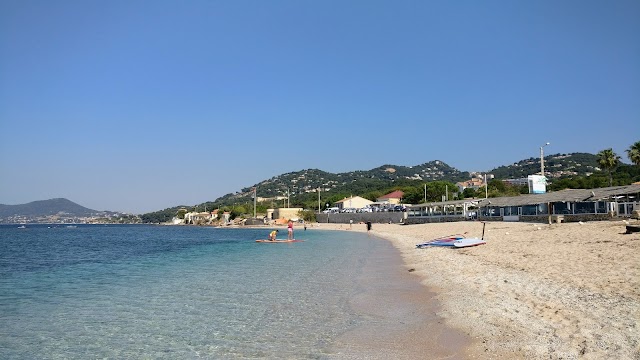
59,206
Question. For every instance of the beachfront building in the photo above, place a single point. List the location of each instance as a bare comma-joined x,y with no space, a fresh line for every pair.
353,202
517,182
559,206
286,214
227,217
197,217
391,198
445,211
564,205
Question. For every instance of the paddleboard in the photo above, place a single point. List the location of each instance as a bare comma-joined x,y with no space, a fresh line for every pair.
468,242
445,241
279,241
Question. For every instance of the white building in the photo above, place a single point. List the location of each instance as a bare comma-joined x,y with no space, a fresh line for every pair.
353,202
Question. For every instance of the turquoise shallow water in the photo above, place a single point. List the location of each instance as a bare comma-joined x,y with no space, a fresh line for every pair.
175,292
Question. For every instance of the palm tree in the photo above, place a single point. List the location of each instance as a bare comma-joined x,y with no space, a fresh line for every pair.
608,160
633,152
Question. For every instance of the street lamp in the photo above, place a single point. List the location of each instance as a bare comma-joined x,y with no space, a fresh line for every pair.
542,159
486,187
255,199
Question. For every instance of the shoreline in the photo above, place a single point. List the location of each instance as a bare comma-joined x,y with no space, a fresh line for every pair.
534,290
399,314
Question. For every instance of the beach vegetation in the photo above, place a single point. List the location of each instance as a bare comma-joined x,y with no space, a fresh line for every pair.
237,211
437,189
498,188
413,195
633,152
161,216
623,175
468,193
307,215
608,160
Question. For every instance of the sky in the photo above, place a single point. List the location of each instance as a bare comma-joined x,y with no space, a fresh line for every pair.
137,106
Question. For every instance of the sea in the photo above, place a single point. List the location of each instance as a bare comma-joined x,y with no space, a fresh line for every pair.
177,292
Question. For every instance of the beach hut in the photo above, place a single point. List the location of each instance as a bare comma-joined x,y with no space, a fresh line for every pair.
564,205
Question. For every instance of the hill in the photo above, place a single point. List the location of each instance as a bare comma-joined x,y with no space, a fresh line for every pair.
59,207
308,181
556,166
576,170
386,176
303,185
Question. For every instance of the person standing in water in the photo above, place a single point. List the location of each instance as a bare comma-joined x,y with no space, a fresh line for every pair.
290,229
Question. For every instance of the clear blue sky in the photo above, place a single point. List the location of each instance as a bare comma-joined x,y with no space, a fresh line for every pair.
138,106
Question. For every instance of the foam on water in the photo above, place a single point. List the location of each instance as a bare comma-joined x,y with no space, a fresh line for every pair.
174,292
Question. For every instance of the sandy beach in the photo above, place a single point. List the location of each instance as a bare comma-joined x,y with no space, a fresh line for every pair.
559,291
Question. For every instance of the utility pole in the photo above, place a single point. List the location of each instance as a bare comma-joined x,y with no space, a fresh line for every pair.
542,159
425,192
255,195
486,190
318,200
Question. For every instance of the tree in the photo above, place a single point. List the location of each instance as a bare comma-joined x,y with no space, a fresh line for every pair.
373,195
608,160
437,189
307,215
633,152
413,195
469,193
180,213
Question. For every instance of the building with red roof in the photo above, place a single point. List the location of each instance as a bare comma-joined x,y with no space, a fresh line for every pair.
394,197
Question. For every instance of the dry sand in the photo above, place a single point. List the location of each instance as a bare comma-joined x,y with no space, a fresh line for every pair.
561,291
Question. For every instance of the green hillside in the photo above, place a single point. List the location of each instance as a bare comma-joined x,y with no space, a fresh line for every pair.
45,208
300,188
556,166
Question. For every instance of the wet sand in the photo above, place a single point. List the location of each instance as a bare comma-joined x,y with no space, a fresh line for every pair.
400,315
534,291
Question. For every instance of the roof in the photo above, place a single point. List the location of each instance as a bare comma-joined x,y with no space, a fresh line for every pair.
451,202
471,182
570,195
352,198
393,195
